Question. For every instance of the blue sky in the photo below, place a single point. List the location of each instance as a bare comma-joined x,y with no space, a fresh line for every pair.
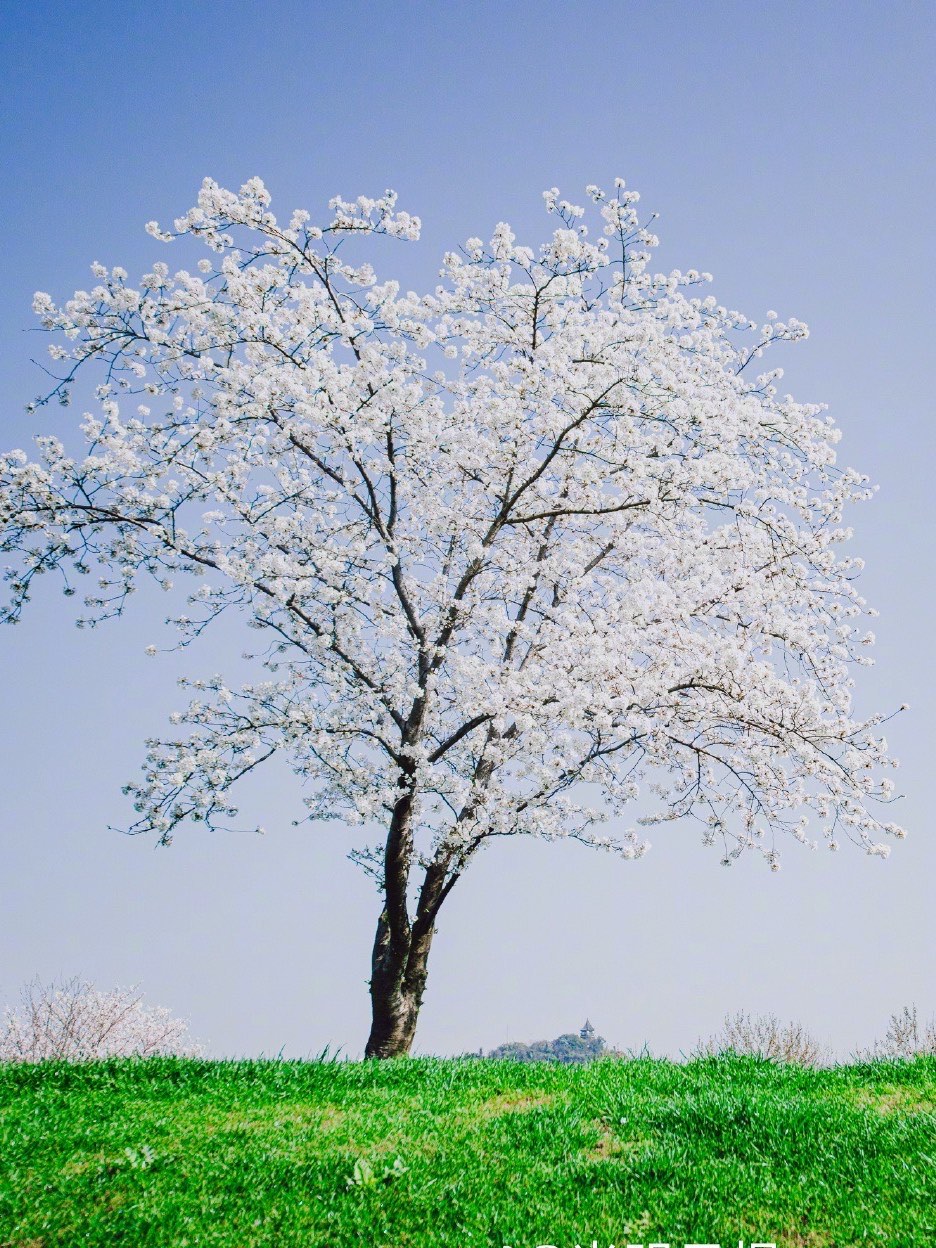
790,151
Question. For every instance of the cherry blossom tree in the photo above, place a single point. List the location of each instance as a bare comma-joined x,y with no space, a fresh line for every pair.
518,550
763,1035
73,1021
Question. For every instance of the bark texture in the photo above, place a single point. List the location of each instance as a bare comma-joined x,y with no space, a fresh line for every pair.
400,959
398,981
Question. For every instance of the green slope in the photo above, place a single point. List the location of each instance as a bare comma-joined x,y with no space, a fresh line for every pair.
466,1152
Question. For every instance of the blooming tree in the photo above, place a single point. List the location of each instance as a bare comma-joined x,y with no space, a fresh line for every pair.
74,1021
906,1037
518,547
764,1035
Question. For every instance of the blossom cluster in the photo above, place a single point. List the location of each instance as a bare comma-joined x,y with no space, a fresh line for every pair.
74,1021
525,547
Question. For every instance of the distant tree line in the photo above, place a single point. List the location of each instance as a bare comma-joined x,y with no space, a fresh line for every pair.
568,1048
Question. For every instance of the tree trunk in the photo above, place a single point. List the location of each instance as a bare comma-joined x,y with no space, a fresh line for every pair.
398,981
401,947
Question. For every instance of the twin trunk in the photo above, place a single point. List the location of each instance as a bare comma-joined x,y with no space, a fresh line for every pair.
401,946
398,981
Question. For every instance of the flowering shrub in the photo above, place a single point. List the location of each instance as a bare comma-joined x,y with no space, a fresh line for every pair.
74,1021
905,1037
765,1036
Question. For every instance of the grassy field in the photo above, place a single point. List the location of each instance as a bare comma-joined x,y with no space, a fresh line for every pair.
427,1153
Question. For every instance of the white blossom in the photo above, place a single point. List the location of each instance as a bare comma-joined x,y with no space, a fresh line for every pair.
73,1021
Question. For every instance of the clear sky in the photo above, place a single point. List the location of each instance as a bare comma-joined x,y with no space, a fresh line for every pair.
789,149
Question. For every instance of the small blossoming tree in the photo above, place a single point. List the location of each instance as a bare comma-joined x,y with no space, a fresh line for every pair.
73,1021
517,546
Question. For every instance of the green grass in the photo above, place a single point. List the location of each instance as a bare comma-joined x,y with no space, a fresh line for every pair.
431,1152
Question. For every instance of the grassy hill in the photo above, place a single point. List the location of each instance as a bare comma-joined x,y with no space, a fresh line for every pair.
427,1152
